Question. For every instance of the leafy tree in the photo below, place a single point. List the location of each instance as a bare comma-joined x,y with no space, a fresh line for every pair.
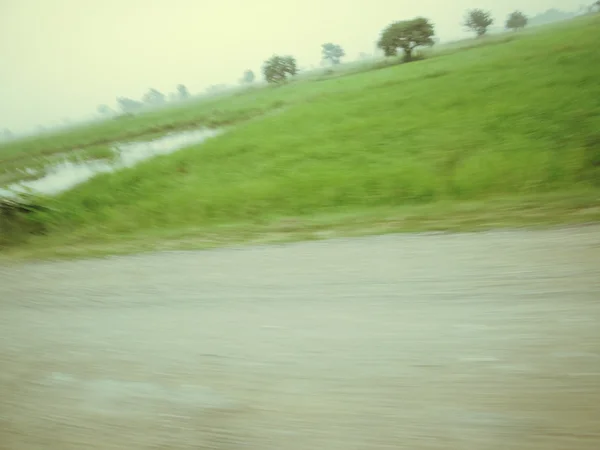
182,92
128,105
277,68
517,21
248,77
154,97
406,35
290,65
478,20
332,52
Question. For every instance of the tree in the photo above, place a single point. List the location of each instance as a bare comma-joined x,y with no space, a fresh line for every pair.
248,77
182,92
516,21
290,65
154,97
549,16
104,110
128,105
406,35
7,134
332,52
478,20
278,68
216,88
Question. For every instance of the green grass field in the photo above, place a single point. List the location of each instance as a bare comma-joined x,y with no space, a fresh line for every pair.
514,125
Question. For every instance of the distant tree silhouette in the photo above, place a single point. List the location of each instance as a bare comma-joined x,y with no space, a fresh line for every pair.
278,68
550,16
248,77
478,20
128,105
182,92
406,35
7,134
154,97
332,52
216,88
104,110
517,21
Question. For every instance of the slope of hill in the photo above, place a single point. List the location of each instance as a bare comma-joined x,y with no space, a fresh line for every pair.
516,120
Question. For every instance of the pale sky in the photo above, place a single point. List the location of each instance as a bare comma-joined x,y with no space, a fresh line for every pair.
61,58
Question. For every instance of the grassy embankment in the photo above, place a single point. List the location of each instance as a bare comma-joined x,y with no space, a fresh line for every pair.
492,135
221,110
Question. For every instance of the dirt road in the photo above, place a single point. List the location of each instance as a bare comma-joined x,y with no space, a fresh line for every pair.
487,341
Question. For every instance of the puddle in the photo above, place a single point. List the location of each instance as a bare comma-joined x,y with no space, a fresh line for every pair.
67,174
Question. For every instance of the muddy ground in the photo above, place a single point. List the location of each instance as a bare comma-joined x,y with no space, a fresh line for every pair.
482,341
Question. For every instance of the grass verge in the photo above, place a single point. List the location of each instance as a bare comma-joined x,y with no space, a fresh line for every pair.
532,212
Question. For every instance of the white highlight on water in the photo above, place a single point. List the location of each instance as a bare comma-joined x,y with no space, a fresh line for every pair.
67,174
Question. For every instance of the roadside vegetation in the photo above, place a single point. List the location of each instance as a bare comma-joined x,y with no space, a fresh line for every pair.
512,120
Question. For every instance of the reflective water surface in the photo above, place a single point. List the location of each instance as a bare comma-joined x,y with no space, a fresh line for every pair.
67,174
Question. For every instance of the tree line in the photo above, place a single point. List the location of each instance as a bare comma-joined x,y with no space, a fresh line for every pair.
152,97
401,36
405,36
